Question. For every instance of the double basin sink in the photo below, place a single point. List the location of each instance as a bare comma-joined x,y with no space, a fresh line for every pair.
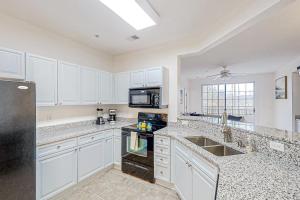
213,146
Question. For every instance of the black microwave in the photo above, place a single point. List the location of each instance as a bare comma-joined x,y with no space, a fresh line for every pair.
145,98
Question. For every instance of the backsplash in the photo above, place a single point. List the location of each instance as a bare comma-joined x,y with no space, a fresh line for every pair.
261,143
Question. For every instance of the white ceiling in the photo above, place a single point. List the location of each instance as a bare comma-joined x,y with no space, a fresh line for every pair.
82,19
264,47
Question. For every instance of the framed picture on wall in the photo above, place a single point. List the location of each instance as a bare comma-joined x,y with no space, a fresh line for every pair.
281,88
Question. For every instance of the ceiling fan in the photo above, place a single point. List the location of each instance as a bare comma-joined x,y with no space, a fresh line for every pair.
225,74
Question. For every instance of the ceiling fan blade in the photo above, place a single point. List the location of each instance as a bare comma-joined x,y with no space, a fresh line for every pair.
212,76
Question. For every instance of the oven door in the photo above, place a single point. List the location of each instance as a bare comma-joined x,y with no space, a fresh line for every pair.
141,98
142,153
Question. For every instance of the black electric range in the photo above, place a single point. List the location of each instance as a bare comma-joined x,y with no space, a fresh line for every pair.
139,161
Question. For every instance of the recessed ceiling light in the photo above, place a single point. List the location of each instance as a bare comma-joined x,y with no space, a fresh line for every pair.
97,36
131,12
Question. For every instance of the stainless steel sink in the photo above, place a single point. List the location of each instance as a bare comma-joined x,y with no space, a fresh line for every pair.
213,146
221,150
202,141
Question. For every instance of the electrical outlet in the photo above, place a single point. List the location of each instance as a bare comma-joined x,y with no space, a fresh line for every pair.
185,122
277,146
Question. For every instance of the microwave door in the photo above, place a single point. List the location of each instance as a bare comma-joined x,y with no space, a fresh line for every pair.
141,100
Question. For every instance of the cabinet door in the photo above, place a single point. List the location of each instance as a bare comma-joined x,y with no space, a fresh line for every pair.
106,86
43,71
90,159
56,173
137,79
203,187
108,151
12,64
154,77
68,84
183,176
89,86
122,83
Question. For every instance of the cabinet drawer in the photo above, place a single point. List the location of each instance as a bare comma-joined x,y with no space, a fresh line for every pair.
162,173
90,138
56,147
160,140
164,150
162,160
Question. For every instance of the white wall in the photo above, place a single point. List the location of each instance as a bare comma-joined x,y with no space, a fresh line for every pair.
283,108
264,95
19,35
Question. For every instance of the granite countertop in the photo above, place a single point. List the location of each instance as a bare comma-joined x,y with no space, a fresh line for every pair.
50,135
246,176
273,133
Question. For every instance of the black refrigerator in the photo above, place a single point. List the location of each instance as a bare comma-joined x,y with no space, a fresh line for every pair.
17,140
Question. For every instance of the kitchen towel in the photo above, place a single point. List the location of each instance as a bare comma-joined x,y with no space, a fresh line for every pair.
133,141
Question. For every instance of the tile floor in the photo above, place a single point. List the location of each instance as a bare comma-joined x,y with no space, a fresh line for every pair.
114,185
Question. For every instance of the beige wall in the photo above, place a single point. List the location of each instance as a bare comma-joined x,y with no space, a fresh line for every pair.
19,35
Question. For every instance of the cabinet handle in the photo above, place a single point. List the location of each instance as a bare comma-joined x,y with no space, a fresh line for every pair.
161,172
58,147
161,159
161,141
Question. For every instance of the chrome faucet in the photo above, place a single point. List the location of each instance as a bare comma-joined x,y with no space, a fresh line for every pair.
225,129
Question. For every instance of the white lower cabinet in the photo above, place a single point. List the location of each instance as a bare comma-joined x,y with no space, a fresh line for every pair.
108,151
62,164
195,179
56,172
117,146
183,176
203,187
90,159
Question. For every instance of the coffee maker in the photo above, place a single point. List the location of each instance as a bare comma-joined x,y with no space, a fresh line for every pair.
112,116
100,119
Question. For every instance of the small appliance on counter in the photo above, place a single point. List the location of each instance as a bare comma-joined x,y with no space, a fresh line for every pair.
100,119
112,116
137,145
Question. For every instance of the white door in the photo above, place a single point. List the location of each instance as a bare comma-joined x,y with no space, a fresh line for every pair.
12,64
203,187
183,176
90,159
89,86
122,84
68,84
117,146
108,151
137,79
43,71
106,87
154,77
56,173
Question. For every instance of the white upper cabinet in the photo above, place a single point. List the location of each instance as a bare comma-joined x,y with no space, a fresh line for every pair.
89,86
150,77
68,84
106,87
43,71
154,76
12,64
137,79
122,84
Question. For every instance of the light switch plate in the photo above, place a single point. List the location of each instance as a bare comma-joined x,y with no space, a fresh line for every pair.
185,122
277,146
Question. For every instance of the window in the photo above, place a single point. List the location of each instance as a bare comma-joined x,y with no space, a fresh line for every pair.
236,99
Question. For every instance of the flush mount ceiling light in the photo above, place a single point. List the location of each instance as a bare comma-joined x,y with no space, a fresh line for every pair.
131,12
